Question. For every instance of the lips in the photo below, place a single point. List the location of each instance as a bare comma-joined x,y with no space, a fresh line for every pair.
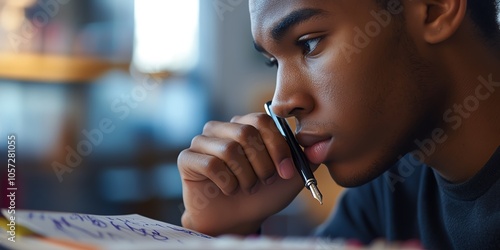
316,147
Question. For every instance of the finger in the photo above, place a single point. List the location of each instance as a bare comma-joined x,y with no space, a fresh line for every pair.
274,142
197,167
252,143
235,118
233,155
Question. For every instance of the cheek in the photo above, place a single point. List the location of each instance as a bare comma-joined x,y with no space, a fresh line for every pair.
367,99
349,93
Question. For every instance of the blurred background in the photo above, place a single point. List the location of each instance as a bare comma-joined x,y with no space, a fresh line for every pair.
102,95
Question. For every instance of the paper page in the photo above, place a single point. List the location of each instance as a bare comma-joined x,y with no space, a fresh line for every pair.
121,232
104,230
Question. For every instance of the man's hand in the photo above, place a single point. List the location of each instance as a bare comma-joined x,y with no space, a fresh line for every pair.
235,175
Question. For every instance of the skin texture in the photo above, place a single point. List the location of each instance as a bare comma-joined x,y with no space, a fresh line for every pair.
359,105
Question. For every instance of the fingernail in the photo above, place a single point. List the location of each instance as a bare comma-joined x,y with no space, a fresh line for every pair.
271,179
287,170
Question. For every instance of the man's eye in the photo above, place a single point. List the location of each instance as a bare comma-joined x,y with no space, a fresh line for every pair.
308,46
272,62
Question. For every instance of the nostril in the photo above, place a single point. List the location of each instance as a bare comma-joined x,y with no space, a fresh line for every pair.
279,109
297,104
295,111
285,110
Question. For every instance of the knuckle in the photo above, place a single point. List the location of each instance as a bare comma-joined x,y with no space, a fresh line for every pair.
196,139
230,187
182,156
235,118
185,159
262,119
186,220
219,174
212,164
235,167
265,124
245,131
208,126
231,148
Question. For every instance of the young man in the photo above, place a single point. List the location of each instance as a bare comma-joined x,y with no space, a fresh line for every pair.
367,81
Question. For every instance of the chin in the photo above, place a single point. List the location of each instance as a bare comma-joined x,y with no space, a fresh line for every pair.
359,172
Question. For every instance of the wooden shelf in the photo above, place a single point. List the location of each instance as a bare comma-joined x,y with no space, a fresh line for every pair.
50,68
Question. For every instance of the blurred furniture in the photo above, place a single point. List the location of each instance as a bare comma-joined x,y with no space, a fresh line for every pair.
53,68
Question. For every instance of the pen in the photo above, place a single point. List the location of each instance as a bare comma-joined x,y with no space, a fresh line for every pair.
299,159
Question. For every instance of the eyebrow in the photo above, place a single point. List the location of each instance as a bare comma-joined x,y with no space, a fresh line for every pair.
293,19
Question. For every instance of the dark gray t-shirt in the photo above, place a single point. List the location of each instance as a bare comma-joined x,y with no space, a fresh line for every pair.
412,202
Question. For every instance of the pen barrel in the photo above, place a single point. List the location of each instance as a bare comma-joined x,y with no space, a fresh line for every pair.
299,158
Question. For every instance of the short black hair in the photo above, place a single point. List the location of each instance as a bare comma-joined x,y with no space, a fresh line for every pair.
483,13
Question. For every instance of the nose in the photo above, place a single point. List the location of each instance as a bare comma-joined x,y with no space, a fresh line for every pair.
292,95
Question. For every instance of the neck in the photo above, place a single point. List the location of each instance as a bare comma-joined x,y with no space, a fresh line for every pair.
470,130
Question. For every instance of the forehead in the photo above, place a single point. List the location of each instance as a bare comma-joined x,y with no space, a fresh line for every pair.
265,14
272,8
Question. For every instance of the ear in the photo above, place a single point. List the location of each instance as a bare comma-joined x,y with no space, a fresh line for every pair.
442,18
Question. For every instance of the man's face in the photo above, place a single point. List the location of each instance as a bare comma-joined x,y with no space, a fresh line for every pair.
353,79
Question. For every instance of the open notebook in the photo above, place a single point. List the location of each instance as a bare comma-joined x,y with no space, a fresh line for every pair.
58,230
